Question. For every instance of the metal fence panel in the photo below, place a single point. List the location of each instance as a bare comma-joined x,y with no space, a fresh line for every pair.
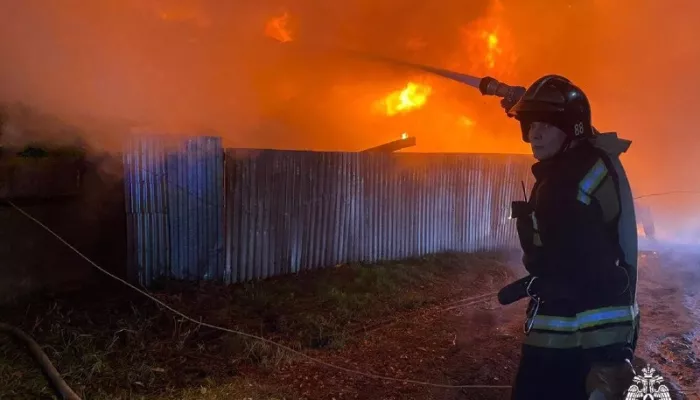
197,212
288,211
195,201
146,209
174,197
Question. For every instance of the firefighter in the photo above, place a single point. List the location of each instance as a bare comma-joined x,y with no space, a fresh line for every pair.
579,239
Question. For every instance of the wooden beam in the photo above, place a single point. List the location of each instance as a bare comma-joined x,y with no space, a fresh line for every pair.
391,147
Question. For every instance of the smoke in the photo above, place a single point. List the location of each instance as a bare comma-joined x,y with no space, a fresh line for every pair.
206,66
645,88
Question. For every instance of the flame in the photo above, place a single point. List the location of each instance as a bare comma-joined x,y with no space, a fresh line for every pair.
493,49
489,39
411,97
276,28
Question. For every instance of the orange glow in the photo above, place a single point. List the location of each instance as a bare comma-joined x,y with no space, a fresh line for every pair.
183,14
416,44
411,97
276,28
467,122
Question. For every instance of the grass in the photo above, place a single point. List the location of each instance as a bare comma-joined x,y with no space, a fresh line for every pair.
114,344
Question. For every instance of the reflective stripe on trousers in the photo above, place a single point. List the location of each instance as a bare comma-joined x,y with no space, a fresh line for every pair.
587,329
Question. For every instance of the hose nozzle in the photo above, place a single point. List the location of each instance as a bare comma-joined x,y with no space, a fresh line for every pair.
491,87
510,94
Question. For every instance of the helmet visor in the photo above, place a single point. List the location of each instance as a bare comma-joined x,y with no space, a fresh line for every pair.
524,107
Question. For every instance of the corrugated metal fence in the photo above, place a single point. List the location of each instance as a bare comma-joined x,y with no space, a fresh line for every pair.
281,212
174,205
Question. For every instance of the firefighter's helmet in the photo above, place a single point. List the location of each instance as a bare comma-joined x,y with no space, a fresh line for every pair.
555,100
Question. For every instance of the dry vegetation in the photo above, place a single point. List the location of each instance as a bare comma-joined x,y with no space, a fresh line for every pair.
110,343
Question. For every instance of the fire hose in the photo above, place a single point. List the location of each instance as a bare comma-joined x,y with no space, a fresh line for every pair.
487,85
47,368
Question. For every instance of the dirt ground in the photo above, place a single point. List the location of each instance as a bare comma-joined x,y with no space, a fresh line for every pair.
432,320
478,344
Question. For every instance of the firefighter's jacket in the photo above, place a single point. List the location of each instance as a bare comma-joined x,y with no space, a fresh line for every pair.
580,241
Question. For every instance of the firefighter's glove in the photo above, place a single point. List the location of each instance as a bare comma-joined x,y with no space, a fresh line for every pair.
609,380
513,97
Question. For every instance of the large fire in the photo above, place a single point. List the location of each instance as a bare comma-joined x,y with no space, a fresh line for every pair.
488,54
411,97
480,40
485,50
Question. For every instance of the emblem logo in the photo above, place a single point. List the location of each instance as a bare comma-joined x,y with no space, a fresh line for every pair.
648,386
